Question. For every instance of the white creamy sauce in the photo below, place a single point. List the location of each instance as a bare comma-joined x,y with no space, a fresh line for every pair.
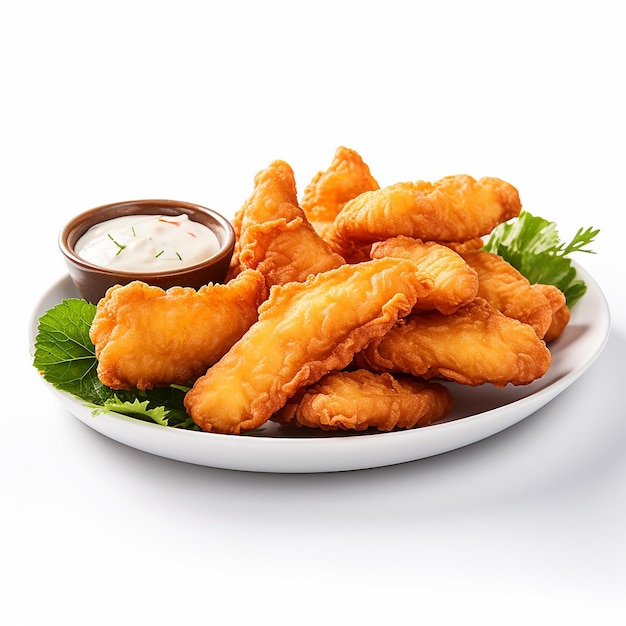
147,243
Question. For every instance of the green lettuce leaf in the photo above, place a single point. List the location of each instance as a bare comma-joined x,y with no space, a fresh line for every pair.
66,358
532,245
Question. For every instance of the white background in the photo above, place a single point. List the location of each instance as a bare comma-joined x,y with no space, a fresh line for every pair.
106,101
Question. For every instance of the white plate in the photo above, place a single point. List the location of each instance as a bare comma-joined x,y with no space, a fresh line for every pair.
480,412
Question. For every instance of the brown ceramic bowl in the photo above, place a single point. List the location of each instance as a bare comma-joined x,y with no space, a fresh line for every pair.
93,281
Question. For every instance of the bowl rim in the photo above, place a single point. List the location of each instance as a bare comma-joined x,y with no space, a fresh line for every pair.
77,226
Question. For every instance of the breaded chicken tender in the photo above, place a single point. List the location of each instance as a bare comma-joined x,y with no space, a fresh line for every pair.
304,331
561,313
452,209
274,235
454,282
146,337
347,177
461,247
509,291
285,251
358,400
473,346
272,198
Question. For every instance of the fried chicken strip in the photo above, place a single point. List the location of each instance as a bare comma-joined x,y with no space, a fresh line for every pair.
304,331
285,251
455,283
273,197
509,291
473,346
358,400
347,177
274,235
147,337
460,247
452,209
561,313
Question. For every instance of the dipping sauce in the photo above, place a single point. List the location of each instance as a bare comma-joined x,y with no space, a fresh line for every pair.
147,243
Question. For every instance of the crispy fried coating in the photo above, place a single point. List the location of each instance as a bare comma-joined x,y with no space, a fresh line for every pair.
473,346
304,331
146,337
360,399
509,291
455,283
561,313
347,177
461,247
273,197
452,209
274,235
285,251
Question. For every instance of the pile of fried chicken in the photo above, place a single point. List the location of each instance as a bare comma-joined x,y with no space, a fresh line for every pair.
345,309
